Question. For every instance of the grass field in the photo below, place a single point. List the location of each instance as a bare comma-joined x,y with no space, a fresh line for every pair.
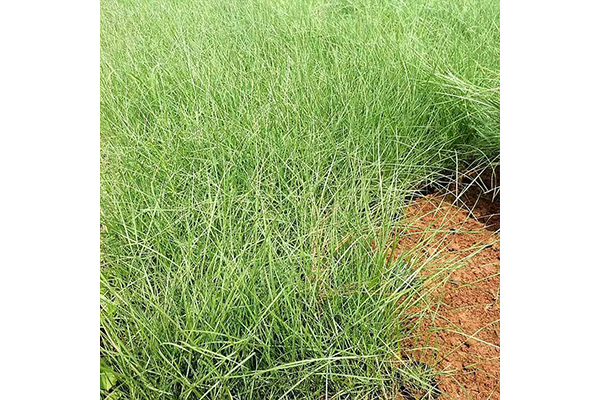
251,153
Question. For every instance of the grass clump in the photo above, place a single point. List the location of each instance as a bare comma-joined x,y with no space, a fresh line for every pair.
252,153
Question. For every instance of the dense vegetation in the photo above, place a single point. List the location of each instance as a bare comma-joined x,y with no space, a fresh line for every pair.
251,153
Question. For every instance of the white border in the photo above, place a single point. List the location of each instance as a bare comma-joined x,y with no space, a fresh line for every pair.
49,158
549,274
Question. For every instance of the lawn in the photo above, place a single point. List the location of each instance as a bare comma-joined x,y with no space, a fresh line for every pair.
255,158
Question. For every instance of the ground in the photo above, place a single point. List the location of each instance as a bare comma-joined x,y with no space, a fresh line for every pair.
456,244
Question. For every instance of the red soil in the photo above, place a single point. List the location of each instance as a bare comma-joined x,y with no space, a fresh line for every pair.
460,336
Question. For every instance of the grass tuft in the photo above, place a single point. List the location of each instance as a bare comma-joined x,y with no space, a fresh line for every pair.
252,151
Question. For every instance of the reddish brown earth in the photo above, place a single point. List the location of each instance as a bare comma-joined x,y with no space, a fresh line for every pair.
456,242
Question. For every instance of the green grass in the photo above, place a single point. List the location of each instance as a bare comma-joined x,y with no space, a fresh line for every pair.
251,153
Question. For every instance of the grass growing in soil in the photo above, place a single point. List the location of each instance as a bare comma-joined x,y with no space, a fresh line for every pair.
251,153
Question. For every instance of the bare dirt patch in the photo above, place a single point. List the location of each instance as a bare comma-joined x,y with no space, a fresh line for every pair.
455,240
